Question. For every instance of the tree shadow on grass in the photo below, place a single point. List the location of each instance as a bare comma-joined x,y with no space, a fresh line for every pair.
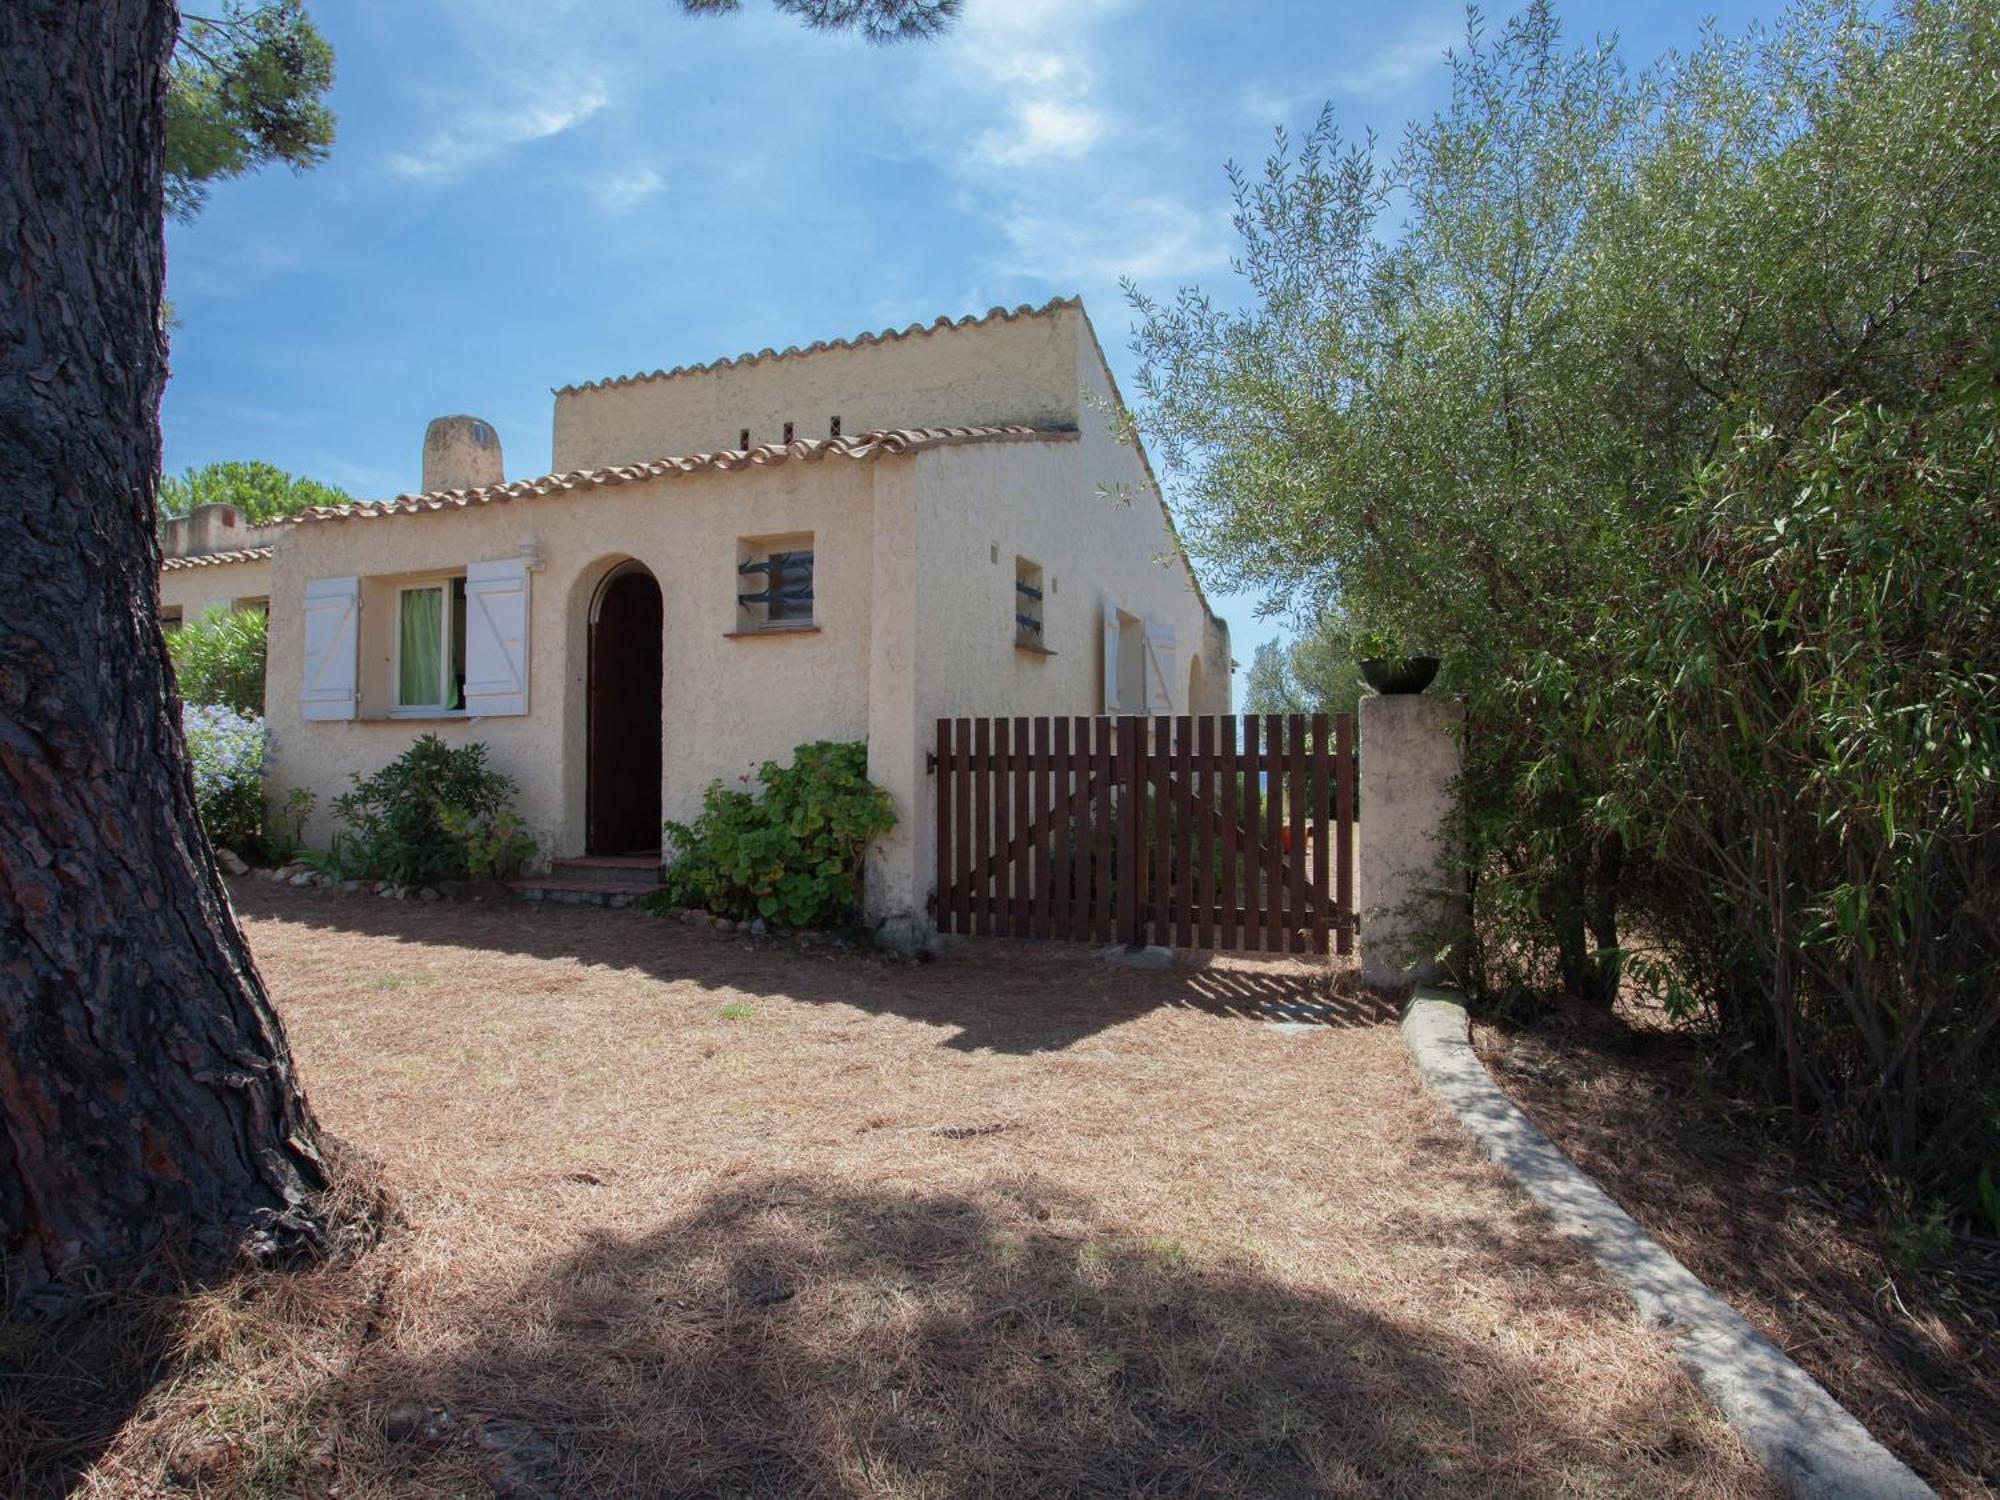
991,994
788,1337
67,1387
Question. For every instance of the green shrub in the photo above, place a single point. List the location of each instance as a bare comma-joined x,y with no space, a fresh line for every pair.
401,819
496,847
793,853
1808,765
285,825
228,752
219,658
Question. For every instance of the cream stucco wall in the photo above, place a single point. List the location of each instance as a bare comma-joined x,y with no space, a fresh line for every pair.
728,704
914,579
989,374
192,590
1085,510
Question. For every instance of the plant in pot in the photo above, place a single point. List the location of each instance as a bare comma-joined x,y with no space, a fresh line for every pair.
1388,666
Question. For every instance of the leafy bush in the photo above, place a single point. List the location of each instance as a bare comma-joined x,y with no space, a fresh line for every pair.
401,819
496,847
1809,763
229,751
219,658
285,825
1474,393
793,853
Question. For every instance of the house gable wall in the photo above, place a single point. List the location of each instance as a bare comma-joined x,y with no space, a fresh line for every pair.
997,373
1085,510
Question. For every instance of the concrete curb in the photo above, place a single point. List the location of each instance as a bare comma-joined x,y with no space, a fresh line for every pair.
1804,1437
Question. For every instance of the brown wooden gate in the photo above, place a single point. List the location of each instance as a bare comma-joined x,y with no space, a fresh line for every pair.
1190,832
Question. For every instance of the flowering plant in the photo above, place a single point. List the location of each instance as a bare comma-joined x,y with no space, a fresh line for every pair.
229,752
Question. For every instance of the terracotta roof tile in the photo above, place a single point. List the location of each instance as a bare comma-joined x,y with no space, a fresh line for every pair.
864,445
209,559
860,341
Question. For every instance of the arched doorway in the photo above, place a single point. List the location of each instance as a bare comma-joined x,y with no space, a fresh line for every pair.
622,794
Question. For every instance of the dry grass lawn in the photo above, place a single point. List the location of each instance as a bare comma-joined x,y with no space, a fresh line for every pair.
680,1216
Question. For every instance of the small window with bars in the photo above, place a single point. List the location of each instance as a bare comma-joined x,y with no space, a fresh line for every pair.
775,584
1028,617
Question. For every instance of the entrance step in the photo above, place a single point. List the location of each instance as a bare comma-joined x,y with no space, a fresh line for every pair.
579,892
630,869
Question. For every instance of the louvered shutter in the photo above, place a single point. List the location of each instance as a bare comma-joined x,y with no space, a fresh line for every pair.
1159,668
496,637
332,608
1110,655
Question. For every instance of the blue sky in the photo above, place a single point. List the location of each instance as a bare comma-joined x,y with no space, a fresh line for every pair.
526,193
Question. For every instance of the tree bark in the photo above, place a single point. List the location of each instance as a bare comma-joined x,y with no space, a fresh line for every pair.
147,1097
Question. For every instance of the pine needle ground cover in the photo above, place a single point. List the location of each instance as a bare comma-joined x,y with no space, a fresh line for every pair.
677,1215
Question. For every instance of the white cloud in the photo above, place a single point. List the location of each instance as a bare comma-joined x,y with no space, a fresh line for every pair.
1090,244
620,188
1384,73
1043,130
477,136
1417,52
1029,61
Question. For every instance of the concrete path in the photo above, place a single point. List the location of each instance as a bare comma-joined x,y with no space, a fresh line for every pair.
1806,1439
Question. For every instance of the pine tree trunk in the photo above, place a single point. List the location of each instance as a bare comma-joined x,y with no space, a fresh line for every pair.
147,1098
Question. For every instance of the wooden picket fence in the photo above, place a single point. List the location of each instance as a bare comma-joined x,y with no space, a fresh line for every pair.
1191,831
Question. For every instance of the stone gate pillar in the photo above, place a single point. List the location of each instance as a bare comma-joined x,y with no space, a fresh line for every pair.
1411,897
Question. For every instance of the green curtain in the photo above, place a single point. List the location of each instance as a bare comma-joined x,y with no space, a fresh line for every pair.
421,674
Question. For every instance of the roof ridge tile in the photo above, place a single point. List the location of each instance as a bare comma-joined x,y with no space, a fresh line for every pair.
884,443
204,559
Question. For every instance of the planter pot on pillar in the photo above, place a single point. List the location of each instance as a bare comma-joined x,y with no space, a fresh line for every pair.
1412,887
1396,676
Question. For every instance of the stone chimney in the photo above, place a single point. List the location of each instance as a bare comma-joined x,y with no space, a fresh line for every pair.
461,453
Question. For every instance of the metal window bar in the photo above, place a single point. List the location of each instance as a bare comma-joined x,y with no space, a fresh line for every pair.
789,576
1029,623
1027,589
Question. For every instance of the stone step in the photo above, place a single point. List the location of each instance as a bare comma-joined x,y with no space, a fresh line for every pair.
630,869
578,892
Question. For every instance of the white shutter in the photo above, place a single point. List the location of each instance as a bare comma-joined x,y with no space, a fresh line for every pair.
496,637
1159,668
1110,655
333,640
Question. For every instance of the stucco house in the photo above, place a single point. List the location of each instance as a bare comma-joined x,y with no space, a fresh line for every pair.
845,541
213,559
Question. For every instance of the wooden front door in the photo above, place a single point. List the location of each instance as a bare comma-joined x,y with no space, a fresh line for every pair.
624,765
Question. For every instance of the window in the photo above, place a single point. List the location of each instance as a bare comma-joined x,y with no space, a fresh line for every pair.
775,584
430,646
1028,604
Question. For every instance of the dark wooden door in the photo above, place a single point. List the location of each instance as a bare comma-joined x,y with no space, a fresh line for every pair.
624,789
